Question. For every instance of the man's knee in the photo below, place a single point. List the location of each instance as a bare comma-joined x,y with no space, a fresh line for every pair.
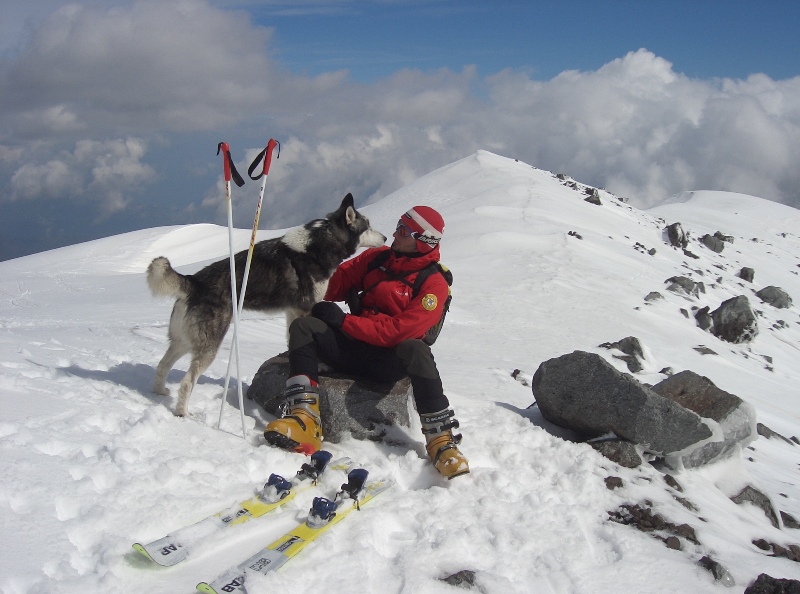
417,358
302,330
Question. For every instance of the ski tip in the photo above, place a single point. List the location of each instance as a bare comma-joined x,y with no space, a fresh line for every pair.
204,587
140,549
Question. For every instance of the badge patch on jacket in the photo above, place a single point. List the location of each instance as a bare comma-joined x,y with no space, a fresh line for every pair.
429,302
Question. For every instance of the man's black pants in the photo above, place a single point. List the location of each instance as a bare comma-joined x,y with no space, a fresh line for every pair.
312,340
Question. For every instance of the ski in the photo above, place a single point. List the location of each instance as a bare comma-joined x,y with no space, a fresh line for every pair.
324,514
174,547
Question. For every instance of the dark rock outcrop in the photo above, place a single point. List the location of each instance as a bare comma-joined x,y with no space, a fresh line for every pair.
734,321
736,418
620,451
677,237
703,318
683,284
775,296
752,495
347,405
633,354
583,392
713,243
766,584
747,274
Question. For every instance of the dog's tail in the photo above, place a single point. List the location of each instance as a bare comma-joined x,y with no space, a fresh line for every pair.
164,281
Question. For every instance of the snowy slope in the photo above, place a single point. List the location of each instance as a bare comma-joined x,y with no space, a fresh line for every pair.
93,461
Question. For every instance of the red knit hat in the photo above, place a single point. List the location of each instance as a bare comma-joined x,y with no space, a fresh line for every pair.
427,224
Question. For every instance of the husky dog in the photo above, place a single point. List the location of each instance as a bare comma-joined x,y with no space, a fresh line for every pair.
288,273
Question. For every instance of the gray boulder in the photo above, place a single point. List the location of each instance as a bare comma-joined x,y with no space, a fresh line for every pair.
775,296
677,237
749,494
633,353
347,405
747,274
722,237
683,284
581,391
734,321
620,451
736,418
713,243
703,318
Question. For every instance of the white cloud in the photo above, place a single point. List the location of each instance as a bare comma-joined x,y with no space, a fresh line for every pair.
102,172
162,70
155,64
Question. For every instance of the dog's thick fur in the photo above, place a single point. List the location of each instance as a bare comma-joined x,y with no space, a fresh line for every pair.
288,273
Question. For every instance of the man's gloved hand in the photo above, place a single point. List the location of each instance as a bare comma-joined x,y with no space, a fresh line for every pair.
328,312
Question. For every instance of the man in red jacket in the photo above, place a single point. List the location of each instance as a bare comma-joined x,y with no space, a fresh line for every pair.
383,341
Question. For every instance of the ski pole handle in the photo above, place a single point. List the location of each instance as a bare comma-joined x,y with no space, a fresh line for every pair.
266,154
228,168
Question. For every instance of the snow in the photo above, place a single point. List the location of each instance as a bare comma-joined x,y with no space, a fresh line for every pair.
93,461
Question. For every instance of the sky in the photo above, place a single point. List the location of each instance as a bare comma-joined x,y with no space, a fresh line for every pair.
111,112
92,461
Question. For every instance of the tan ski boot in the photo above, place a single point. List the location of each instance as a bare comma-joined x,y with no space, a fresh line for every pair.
442,445
300,428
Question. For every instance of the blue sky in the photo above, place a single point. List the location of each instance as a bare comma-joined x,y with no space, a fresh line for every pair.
702,38
111,111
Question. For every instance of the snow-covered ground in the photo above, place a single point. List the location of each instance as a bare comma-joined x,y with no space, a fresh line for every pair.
92,460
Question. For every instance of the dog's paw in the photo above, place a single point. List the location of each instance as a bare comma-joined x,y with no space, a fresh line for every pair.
161,390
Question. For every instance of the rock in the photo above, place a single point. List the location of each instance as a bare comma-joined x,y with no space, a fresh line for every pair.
583,392
712,243
766,584
613,482
633,354
747,274
775,296
703,318
347,405
734,321
676,236
683,284
752,495
704,350
673,482
789,521
765,431
720,574
594,198
463,579
722,237
653,296
736,418
618,450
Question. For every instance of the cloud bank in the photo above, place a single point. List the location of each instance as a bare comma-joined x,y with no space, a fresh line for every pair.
94,89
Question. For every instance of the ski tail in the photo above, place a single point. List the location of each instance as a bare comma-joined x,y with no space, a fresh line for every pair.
164,281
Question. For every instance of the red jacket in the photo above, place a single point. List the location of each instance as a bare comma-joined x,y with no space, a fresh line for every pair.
389,315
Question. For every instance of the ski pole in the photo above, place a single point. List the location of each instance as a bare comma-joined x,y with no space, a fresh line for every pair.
228,169
266,155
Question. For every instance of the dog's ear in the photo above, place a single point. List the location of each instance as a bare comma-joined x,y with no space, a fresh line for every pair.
349,209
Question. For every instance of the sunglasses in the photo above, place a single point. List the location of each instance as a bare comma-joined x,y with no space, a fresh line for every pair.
405,231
